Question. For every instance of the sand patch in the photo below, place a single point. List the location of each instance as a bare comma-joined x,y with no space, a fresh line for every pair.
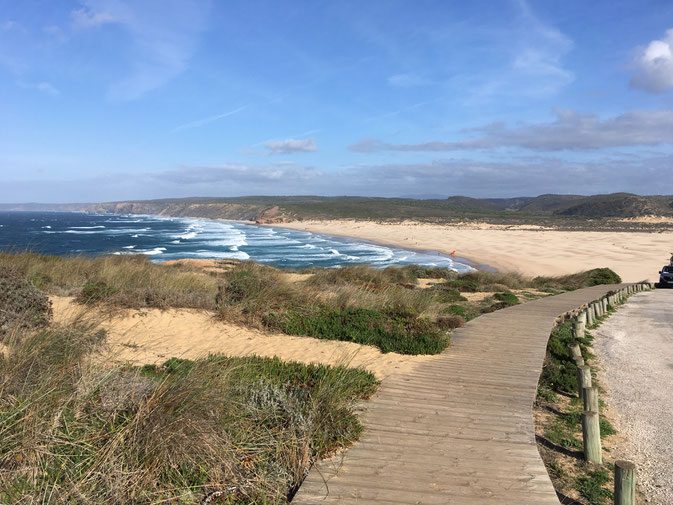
153,336
648,219
528,250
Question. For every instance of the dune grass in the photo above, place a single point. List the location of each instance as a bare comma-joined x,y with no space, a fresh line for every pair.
75,429
362,304
127,281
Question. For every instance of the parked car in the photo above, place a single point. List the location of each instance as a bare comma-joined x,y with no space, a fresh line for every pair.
666,276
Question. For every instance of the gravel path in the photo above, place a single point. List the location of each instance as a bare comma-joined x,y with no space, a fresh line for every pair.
635,347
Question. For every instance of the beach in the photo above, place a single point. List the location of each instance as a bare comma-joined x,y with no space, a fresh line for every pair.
152,336
528,250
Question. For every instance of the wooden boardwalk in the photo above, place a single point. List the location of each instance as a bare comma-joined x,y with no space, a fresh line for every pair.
459,428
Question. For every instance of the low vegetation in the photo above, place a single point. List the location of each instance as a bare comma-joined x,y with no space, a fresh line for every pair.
75,429
559,426
381,307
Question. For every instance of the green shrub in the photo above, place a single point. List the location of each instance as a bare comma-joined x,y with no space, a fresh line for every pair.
507,297
22,305
445,295
95,293
591,487
606,428
463,285
405,334
603,276
559,372
456,310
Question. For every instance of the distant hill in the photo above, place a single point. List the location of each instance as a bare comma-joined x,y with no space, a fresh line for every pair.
272,209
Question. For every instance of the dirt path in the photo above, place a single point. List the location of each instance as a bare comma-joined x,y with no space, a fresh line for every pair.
635,347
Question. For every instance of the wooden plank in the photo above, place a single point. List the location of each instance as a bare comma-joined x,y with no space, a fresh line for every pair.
458,428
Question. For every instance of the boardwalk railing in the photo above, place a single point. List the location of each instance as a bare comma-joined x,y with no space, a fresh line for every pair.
459,428
625,471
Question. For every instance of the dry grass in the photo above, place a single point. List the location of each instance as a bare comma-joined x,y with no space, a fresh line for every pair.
380,307
133,281
73,431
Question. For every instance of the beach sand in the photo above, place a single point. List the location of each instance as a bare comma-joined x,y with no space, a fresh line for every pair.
529,250
153,336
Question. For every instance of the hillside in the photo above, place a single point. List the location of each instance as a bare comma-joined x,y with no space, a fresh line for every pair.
544,209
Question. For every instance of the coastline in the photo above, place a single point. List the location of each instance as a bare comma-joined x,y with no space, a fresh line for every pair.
528,250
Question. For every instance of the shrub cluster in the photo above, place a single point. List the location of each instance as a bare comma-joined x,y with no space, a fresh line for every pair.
22,305
356,304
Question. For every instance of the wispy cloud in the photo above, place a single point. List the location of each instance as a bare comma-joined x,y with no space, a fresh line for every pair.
539,53
228,173
570,131
206,120
87,18
654,66
44,87
407,80
527,176
291,146
164,36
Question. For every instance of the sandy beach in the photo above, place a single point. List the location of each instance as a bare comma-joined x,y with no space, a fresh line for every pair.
529,250
153,336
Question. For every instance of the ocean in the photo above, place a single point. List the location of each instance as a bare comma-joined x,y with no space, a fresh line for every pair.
164,238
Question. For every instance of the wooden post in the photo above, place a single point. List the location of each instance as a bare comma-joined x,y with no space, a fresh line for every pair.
578,329
583,380
625,483
599,308
591,399
591,432
575,351
590,315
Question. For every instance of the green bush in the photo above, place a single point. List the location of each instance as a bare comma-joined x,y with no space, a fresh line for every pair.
463,285
507,297
22,305
402,333
445,295
603,276
591,487
456,310
559,372
96,292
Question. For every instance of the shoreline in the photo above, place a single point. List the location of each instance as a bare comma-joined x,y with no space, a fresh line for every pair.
528,250
458,259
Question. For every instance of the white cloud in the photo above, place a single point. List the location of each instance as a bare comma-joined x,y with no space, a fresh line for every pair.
539,53
654,66
44,87
163,36
406,80
86,18
290,146
206,120
239,173
570,131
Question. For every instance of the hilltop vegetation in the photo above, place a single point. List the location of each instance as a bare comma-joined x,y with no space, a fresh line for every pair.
569,211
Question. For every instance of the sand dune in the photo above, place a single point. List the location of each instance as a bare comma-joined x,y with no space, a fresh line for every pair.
530,250
153,336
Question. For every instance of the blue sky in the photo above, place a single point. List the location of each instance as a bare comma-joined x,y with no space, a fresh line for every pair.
115,100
